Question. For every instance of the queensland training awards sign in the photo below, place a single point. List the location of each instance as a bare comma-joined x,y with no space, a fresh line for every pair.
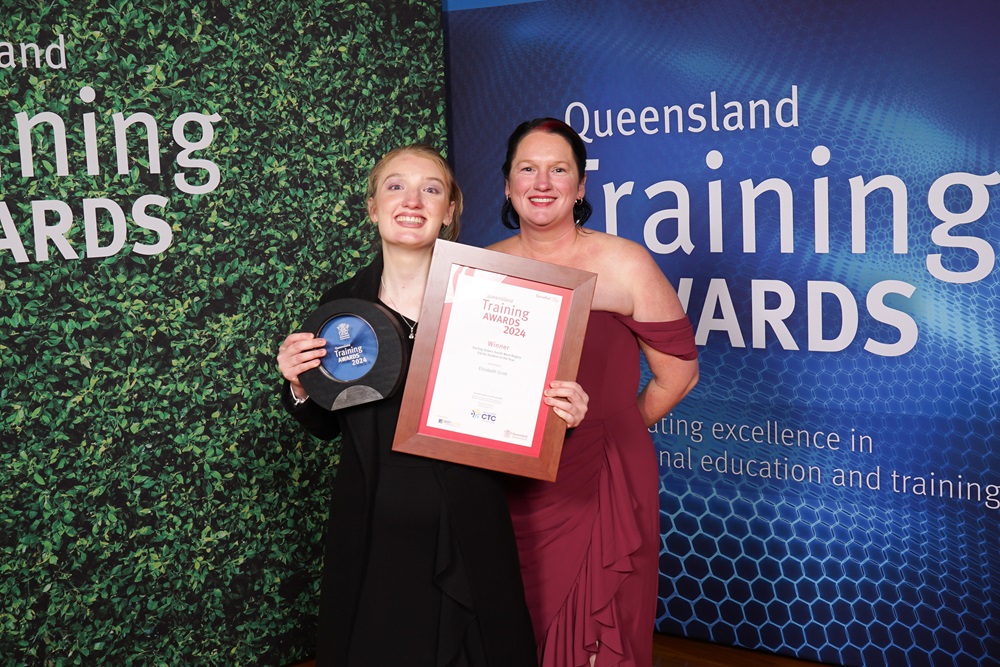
822,187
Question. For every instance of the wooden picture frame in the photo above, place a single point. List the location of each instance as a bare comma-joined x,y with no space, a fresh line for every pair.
494,330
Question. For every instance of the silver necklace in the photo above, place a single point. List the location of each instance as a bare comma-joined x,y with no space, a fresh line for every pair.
385,293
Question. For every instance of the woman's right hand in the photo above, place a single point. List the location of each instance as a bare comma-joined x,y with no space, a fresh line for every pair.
297,354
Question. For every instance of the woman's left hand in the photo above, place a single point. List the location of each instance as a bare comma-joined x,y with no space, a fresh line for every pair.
568,400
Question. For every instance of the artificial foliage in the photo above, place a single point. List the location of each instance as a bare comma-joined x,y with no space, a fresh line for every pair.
157,506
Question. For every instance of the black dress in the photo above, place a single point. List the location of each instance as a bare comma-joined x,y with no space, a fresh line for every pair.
420,566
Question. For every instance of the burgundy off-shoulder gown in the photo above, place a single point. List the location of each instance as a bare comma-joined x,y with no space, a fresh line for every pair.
589,542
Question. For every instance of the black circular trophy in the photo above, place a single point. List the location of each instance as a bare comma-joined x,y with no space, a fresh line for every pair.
365,354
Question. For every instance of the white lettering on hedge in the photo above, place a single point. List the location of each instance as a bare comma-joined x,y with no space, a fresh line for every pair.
184,157
52,221
29,55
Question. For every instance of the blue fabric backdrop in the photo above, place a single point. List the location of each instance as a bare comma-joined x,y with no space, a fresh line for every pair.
819,180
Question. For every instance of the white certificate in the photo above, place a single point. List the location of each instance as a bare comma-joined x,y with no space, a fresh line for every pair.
495,357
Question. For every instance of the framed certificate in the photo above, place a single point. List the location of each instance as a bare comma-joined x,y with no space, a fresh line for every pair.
495,330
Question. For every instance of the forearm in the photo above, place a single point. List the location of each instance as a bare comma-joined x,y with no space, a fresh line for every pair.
666,390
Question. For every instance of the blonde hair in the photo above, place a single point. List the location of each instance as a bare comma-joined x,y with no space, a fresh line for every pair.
450,232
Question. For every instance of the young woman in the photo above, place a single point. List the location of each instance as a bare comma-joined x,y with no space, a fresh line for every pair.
420,565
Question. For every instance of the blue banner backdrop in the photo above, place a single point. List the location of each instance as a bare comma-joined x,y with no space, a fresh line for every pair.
819,181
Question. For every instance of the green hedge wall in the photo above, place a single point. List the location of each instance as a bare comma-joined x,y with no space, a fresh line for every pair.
157,507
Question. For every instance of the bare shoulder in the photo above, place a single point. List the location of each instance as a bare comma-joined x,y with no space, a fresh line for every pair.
631,282
622,256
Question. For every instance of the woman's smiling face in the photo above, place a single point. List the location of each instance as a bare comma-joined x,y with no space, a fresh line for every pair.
544,184
411,201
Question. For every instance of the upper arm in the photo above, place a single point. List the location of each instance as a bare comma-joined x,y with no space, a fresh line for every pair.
653,299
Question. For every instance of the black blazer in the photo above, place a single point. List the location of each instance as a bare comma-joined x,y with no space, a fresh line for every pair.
475,503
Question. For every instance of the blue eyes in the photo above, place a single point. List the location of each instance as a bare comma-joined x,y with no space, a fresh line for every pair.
396,187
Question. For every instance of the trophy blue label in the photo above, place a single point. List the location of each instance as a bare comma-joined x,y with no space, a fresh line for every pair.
365,359
351,347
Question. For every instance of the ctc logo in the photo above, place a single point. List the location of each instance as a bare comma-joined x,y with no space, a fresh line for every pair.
485,416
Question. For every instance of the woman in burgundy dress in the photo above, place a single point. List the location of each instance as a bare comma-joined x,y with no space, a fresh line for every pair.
589,542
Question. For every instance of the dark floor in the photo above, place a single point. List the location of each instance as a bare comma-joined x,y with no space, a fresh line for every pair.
677,652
